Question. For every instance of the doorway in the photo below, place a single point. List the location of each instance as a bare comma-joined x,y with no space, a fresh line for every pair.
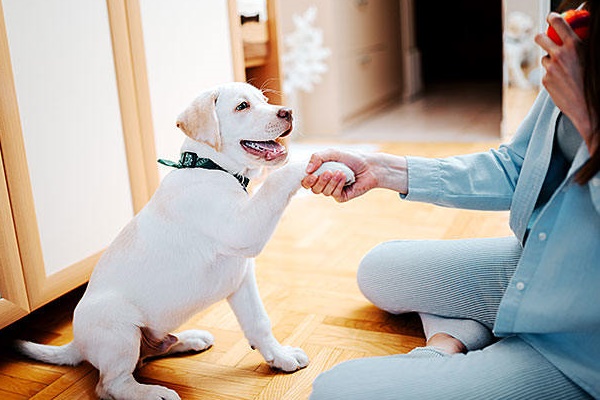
461,55
460,41
453,86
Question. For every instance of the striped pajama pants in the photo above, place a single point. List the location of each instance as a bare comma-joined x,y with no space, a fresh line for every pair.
456,287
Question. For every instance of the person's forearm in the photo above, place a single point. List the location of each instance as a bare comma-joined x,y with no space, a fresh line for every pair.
390,171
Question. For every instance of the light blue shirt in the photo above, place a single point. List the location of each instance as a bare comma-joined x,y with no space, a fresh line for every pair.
553,299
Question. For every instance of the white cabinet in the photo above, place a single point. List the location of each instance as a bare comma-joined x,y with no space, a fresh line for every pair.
13,297
72,172
68,103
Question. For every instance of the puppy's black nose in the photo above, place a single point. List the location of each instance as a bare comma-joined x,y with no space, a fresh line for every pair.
285,113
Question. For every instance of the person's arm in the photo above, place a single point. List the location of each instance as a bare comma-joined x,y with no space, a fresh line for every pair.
374,170
478,181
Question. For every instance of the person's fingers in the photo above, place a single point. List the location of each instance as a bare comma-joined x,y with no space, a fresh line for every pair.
338,179
562,28
337,193
309,181
322,182
546,61
545,43
319,158
314,163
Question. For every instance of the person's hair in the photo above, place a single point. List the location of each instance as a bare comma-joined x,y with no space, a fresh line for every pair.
591,84
566,5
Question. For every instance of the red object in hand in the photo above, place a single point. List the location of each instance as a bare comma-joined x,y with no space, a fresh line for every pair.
579,20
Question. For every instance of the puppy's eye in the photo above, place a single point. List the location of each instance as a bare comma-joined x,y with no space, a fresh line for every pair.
242,106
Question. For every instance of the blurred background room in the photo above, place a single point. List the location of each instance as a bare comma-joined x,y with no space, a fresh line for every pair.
89,94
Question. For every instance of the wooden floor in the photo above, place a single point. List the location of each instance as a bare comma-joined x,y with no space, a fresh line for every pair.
307,279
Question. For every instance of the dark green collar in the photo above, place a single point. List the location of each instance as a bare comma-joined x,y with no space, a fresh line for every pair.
191,160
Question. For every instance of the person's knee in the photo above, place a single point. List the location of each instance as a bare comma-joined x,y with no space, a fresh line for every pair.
337,383
323,387
370,272
377,271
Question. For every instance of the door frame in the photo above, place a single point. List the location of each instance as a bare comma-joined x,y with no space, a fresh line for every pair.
13,296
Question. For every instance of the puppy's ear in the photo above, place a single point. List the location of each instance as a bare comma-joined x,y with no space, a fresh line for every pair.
199,121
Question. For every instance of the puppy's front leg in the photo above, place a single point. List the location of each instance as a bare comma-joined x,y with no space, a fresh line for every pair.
255,323
249,227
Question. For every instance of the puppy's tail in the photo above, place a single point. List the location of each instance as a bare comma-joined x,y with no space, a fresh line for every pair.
61,355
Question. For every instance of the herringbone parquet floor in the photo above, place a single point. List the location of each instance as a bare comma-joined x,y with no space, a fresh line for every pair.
306,276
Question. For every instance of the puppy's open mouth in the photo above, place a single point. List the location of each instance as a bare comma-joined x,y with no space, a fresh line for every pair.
268,150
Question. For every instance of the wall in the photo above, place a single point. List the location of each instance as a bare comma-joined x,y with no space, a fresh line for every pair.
188,50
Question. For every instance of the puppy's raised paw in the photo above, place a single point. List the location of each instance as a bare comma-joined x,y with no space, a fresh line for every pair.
337,166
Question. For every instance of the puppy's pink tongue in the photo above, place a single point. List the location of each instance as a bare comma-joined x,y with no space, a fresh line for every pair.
274,150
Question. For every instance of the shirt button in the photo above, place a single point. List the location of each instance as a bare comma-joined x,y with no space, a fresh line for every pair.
542,236
520,286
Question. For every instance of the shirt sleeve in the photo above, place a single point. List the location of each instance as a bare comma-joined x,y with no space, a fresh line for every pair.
480,181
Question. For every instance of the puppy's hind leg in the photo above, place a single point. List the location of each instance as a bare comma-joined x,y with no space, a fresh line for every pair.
157,345
117,361
192,340
112,345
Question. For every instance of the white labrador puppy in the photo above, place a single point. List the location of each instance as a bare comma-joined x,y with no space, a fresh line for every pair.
191,246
